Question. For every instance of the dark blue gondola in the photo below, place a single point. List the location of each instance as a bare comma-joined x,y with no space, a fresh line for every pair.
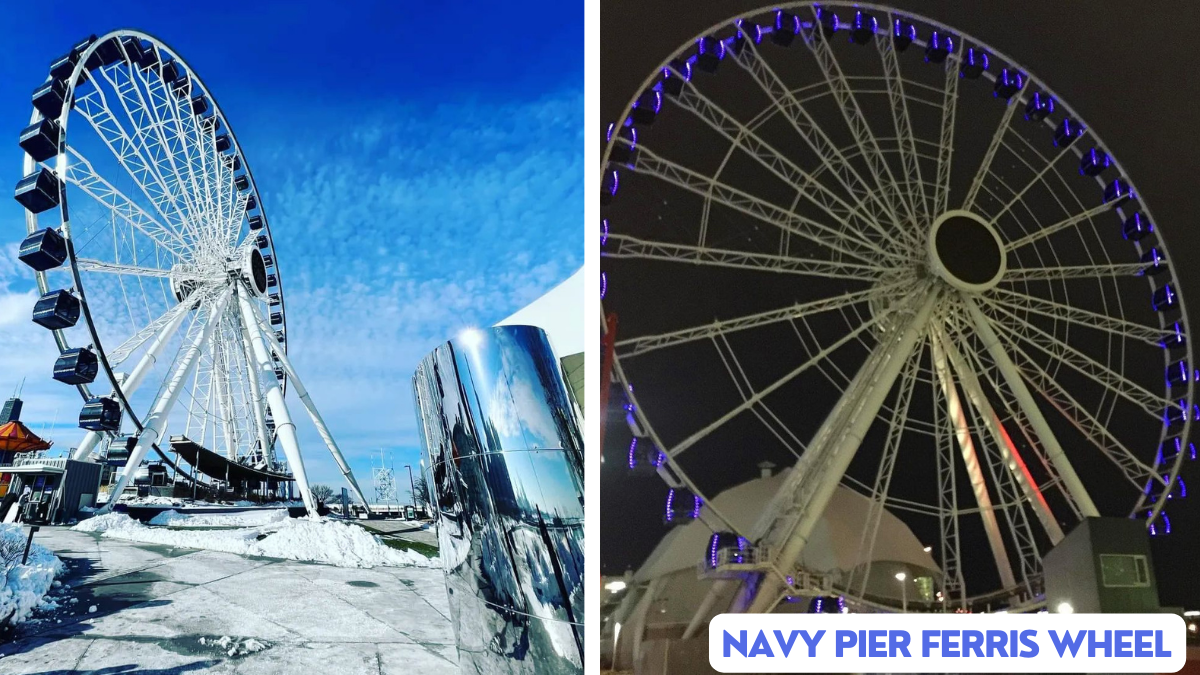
56,310
1094,162
644,455
787,27
747,31
39,191
241,182
974,62
608,186
261,241
940,46
1067,132
863,28
1039,107
709,52
646,108
1136,227
1164,298
50,97
828,21
40,140
100,414
1175,338
1118,192
77,366
43,250
903,34
1008,83
625,150
674,75
256,222
1178,373
1153,262
683,506
729,542
1176,414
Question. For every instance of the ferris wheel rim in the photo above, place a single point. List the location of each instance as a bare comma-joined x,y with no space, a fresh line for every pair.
649,83
78,73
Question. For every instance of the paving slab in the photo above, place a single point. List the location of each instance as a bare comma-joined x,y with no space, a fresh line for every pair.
155,605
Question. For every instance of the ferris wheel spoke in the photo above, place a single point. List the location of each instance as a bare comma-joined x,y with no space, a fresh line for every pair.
1135,471
128,151
91,265
864,137
918,204
953,583
1037,178
1070,221
989,155
1015,378
1100,373
631,347
814,136
81,174
1017,301
625,246
836,241
745,389
941,190
1058,273
744,138
1012,465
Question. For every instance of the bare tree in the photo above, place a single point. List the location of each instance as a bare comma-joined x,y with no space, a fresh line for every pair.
12,549
321,493
422,488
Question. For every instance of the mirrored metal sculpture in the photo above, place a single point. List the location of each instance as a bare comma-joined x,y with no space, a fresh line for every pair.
506,472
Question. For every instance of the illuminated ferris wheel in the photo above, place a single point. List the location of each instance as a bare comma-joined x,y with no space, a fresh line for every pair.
872,245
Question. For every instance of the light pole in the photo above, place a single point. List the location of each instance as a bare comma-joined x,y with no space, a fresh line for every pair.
901,576
412,489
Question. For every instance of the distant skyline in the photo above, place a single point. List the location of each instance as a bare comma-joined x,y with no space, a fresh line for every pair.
420,165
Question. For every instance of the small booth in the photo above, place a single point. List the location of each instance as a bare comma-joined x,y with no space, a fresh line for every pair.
58,489
16,440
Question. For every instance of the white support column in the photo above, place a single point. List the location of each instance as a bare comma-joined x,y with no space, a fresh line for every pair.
285,429
260,416
311,407
130,383
966,446
1016,384
156,421
827,475
1008,451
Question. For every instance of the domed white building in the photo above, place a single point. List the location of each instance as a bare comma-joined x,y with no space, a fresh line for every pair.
666,593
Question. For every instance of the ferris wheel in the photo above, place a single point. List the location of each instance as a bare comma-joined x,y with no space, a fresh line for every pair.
161,282
871,245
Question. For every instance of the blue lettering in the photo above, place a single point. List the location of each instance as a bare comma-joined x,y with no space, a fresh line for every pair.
898,641
1027,640
1067,642
812,641
845,640
786,646
739,644
972,641
950,643
878,643
1141,643
997,641
1123,640
1158,648
928,642
1105,644
761,646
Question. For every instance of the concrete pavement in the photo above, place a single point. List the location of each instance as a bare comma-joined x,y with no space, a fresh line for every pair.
166,610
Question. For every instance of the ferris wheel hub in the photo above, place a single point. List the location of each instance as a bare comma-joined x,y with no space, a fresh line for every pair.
965,251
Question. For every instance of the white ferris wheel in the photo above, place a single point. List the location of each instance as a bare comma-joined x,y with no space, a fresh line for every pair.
871,245
161,282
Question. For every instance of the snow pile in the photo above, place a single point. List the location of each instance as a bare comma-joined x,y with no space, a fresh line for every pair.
23,587
319,540
246,519
233,646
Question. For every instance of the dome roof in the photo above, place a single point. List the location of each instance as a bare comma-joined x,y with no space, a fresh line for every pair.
834,544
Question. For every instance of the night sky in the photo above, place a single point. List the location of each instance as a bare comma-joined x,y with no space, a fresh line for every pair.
1138,97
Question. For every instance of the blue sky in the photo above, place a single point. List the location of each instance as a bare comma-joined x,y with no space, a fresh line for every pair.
421,164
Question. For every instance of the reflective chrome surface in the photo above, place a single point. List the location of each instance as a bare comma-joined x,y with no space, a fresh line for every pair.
506,473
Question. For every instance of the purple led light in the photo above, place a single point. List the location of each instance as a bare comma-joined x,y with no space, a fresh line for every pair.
697,503
603,285
819,605
616,179
633,453
604,231
1182,487
712,550
842,604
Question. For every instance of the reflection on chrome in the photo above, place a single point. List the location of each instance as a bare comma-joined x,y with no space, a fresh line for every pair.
506,473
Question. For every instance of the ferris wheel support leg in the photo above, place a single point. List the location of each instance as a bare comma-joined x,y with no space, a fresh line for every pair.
156,421
827,474
1008,450
1012,376
130,384
260,416
966,446
311,407
285,429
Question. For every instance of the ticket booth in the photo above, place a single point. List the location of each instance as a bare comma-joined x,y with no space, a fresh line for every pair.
57,490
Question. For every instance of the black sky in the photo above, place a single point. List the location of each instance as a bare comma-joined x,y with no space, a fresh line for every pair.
1127,70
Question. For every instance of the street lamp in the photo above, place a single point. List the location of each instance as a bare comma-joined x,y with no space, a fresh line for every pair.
1065,608
412,489
901,576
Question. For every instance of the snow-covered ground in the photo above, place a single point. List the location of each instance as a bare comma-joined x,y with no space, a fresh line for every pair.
23,587
245,519
151,500
316,540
